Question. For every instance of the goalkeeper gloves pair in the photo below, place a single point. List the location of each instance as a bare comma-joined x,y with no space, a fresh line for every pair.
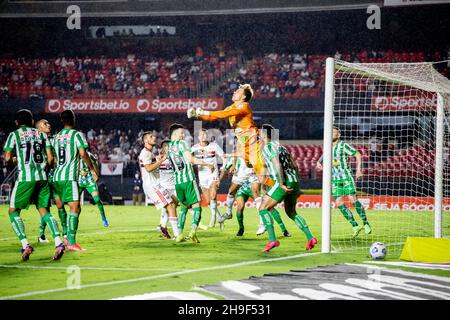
195,112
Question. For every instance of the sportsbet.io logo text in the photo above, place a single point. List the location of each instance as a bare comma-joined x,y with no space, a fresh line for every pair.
131,105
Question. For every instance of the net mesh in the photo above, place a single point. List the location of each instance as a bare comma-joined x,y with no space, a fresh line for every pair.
388,113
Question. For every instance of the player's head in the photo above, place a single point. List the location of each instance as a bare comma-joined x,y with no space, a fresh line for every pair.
203,135
164,146
266,131
244,93
24,117
176,131
149,139
336,134
68,118
43,126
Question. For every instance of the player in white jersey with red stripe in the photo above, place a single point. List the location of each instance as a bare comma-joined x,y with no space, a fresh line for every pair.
212,153
167,181
160,196
241,175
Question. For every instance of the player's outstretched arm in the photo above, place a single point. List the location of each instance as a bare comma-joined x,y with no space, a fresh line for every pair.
218,115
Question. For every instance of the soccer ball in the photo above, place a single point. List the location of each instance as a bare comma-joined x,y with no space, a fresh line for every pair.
378,251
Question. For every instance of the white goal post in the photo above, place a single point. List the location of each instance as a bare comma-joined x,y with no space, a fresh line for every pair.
376,96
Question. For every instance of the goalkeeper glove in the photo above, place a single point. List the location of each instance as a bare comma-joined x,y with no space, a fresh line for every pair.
201,112
191,113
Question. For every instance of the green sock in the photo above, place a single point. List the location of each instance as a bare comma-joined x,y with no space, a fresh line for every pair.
277,218
99,204
240,219
348,215
361,212
301,224
63,218
196,217
268,223
52,224
72,223
182,218
42,226
17,225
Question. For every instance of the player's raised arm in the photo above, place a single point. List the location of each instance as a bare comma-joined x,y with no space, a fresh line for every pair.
221,114
155,164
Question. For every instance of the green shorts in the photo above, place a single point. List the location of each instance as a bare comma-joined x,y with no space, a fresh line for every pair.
91,188
343,188
53,193
67,190
26,193
188,193
278,194
244,193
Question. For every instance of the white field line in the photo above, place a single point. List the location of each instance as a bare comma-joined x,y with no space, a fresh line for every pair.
15,266
165,275
402,272
97,232
431,266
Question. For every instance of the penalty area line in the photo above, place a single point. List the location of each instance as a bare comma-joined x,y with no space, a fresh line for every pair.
165,275
16,266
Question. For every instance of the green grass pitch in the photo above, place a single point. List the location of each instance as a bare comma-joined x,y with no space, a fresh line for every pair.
130,257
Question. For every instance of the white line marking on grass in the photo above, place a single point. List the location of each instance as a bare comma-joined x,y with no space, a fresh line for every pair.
165,275
16,266
433,266
177,295
402,272
98,232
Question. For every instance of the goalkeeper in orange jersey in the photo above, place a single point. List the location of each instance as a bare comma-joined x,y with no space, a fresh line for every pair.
240,116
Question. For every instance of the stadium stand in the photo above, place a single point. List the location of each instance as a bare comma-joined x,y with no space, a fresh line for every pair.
107,77
273,75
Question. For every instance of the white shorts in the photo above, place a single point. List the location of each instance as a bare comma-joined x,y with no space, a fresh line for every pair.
170,188
240,179
206,180
158,195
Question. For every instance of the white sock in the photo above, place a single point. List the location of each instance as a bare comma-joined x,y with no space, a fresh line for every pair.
174,224
258,202
260,220
164,217
57,241
213,208
24,243
229,202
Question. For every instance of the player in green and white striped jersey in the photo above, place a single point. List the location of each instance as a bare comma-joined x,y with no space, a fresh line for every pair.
283,171
31,186
186,188
70,145
44,126
342,183
87,182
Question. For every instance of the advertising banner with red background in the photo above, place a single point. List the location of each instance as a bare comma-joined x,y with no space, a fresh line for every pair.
426,102
382,203
100,105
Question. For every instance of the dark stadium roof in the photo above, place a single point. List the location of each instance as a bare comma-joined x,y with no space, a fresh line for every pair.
129,8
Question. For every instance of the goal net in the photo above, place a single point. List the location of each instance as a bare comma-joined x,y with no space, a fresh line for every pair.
397,116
